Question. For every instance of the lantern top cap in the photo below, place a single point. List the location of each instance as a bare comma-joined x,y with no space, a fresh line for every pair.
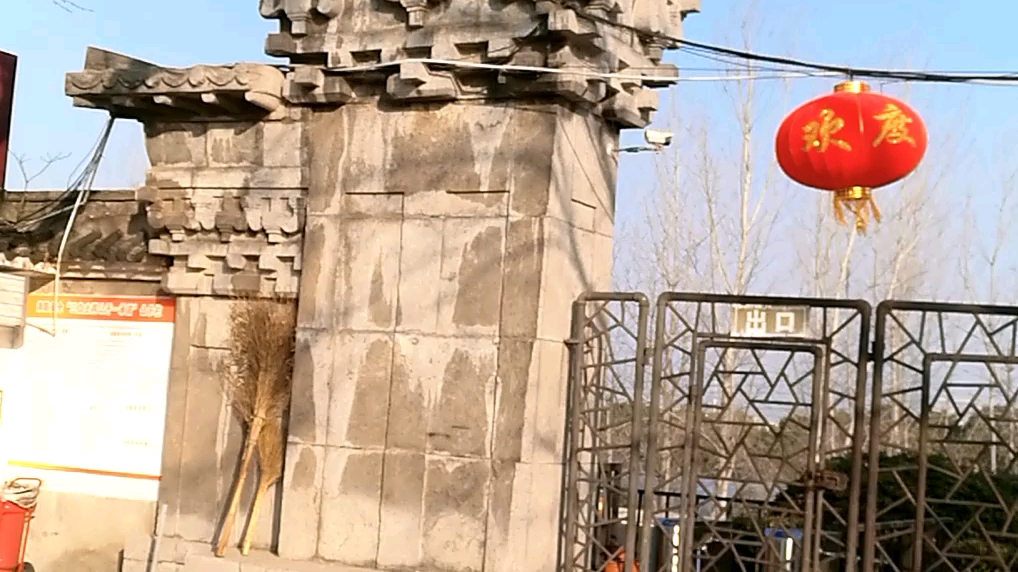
852,86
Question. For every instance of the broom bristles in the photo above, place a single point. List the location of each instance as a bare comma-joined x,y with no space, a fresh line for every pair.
261,358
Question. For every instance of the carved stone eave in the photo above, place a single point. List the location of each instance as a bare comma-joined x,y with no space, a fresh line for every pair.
137,89
227,241
431,54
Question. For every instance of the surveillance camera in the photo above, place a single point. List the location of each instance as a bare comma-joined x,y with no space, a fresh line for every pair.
658,138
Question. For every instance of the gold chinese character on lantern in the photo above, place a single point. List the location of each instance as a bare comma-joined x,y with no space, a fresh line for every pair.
894,126
819,135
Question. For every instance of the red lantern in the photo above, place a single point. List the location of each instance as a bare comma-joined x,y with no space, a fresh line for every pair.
851,142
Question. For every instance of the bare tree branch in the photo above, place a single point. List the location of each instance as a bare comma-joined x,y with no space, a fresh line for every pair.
29,174
70,6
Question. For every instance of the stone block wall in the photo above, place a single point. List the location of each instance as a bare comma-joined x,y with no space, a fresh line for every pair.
443,247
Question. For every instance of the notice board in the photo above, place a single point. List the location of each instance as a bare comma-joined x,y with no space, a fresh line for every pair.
87,407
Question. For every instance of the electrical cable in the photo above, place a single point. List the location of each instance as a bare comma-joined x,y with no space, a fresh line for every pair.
580,72
86,180
57,206
905,75
793,68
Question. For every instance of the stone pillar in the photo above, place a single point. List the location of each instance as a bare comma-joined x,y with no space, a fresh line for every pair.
443,248
453,215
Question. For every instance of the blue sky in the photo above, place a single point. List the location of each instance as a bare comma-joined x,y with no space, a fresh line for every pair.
922,33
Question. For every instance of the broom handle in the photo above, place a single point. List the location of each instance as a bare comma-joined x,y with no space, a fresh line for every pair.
245,462
256,506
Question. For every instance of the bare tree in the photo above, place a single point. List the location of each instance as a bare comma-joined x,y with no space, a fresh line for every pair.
29,172
707,225
988,270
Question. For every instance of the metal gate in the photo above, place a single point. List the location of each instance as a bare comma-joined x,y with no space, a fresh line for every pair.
946,448
741,453
742,433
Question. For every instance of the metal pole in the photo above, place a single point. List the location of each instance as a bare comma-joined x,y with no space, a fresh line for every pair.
858,438
870,532
575,345
635,437
650,468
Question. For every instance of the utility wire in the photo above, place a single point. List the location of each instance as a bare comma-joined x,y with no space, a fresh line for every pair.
83,173
579,72
904,75
84,187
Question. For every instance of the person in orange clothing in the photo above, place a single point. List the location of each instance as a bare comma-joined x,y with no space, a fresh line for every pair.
618,562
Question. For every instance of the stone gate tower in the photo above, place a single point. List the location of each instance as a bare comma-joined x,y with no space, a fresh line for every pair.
435,213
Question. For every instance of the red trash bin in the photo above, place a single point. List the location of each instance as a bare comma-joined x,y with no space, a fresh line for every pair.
14,521
16,510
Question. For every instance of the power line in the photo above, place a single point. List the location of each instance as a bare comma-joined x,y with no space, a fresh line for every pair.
874,73
581,72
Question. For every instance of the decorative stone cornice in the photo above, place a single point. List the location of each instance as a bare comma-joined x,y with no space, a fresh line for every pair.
411,50
133,88
227,242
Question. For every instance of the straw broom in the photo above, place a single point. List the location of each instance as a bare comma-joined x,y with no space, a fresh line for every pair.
270,470
258,383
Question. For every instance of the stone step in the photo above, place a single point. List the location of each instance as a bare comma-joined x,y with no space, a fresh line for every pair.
176,555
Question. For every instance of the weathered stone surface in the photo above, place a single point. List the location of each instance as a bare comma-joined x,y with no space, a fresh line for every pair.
456,290
402,522
368,274
318,274
350,501
455,504
449,384
312,377
358,418
302,501
450,306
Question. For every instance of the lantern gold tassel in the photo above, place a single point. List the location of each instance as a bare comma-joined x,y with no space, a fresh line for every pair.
859,201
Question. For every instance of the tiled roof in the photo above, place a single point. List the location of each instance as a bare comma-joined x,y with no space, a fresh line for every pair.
109,238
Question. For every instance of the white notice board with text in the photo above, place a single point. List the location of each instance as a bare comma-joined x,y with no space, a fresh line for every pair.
85,410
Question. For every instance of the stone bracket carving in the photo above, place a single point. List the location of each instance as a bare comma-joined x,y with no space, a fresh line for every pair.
242,266
299,12
570,24
631,109
416,82
416,12
310,86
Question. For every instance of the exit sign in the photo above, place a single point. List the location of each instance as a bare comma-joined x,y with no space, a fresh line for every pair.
8,65
770,321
